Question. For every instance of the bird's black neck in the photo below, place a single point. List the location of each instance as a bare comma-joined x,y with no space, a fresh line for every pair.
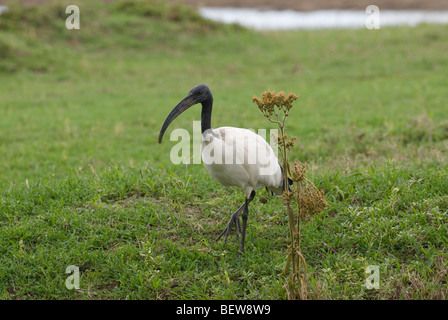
206,114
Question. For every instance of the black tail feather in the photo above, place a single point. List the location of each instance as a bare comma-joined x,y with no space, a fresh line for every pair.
290,182
284,185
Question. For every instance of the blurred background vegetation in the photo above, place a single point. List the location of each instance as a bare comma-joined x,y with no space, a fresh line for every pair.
84,181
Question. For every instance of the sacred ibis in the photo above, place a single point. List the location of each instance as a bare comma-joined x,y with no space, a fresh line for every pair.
233,156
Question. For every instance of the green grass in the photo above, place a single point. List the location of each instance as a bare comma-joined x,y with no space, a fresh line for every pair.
84,181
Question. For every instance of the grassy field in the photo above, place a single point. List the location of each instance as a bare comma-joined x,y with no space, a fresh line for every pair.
84,182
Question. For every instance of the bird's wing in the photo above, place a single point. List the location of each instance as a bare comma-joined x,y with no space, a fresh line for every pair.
241,158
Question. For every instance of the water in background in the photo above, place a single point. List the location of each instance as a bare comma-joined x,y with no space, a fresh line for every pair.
290,20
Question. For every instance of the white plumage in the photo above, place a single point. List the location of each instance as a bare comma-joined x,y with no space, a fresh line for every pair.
233,157
244,157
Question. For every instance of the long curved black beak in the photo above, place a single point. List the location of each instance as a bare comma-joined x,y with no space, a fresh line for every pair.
186,103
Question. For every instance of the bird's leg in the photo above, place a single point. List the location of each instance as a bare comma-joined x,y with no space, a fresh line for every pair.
245,216
234,219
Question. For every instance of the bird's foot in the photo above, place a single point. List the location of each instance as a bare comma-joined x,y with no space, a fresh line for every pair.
234,220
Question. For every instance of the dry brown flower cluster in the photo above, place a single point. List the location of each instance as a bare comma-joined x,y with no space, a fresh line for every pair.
310,200
269,100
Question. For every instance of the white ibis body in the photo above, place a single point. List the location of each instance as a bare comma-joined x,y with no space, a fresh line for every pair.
233,156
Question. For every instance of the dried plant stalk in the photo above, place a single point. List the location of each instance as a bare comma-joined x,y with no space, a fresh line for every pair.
310,200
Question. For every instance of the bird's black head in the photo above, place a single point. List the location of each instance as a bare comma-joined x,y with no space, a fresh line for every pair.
199,94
